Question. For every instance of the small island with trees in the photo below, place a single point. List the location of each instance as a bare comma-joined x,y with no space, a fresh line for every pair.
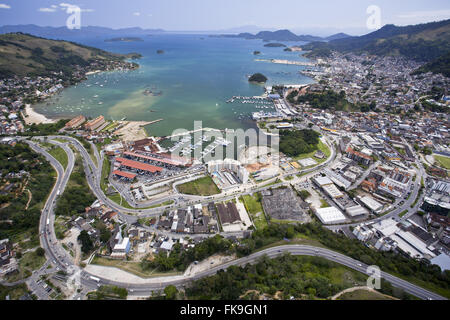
256,53
258,77
274,45
160,51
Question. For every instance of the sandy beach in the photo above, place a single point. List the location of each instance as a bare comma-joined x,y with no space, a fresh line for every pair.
133,130
30,116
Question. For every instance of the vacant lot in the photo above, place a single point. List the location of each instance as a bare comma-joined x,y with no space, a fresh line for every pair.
362,294
200,187
29,262
131,267
255,209
444,162
322,147
14,293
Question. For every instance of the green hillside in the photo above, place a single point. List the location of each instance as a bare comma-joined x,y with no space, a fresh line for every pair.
22,54
439,65
424,42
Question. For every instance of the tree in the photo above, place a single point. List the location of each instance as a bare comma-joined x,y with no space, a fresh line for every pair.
171,292
40,252
86,242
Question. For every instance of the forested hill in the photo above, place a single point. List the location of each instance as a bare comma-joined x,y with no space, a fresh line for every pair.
439,65
23,54
423,42
285,35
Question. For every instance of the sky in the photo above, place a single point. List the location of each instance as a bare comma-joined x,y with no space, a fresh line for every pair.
312,17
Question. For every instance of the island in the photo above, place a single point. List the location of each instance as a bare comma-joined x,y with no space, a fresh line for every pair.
258,78
288,49
124,39
133,56
274,45
160,51
256,53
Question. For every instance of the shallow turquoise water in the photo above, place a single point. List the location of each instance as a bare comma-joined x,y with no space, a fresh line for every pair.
196,77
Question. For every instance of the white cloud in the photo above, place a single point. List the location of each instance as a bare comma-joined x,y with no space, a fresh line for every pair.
65,6
4,6
437,14
47,9
137,14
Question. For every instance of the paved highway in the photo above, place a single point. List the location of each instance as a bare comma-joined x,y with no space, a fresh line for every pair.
145,289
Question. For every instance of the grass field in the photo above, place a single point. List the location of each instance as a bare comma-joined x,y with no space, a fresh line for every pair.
30,261
403,213
324,204
253,206
60,227
200,187
117,198
322,147
92,154
105,174
14,293
165,203
444,162
59,154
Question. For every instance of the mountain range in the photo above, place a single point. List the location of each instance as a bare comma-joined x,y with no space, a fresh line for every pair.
285,35
422,42
64,32
92,31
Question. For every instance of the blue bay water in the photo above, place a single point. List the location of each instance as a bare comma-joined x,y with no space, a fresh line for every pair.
196,75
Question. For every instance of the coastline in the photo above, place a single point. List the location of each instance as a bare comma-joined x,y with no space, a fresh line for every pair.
134,130
30,116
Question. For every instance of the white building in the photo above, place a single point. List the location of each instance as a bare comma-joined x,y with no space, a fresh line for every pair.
362,233
229,164
371,203
356,211
330,215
